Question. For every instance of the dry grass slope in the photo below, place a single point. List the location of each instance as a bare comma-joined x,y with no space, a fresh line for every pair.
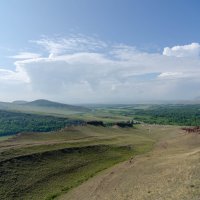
46,165
170,172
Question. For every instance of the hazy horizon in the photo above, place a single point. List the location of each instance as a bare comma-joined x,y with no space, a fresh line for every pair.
175,101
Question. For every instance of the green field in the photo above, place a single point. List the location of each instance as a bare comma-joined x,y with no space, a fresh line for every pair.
166,114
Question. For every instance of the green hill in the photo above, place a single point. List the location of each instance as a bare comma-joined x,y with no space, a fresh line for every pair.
52,104
42,106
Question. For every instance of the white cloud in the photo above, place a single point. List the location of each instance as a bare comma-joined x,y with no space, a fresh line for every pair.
118,74
124,52
75,43
169,75
15,76
190,50
26,55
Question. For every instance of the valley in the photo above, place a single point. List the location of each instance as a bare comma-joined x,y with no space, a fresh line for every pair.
102,153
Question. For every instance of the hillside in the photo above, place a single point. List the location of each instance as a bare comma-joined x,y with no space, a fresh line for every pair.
51,104
64,159
17,122
162,163
171,172
42,106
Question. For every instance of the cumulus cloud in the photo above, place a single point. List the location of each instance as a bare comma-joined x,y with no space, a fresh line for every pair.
80,73
190,50
15,76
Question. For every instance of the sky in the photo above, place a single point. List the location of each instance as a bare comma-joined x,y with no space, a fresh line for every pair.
99,51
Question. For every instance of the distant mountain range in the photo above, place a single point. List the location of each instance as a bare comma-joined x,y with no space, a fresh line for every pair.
20,102
43,106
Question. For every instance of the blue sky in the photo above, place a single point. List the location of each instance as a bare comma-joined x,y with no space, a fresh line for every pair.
136,22
124,35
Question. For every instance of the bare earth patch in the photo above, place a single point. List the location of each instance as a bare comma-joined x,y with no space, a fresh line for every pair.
170,172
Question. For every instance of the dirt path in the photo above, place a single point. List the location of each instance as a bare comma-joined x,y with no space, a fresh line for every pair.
170,172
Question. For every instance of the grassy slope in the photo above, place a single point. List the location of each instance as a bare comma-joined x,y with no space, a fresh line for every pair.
44,107
43,166
171,172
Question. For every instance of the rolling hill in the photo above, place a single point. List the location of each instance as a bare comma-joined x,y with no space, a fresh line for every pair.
52,104
42,106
